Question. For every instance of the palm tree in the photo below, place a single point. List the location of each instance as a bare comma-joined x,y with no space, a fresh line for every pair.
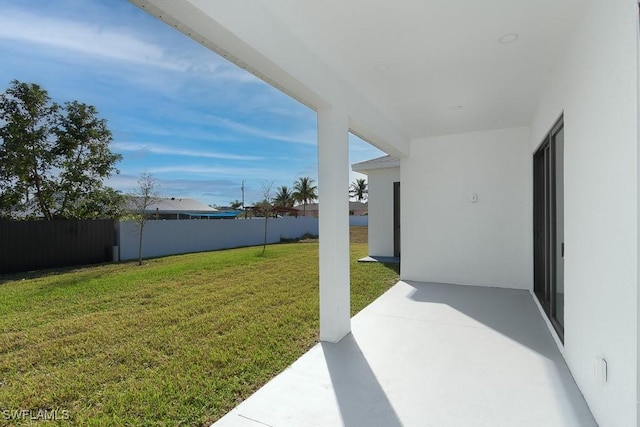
236,204
284,197
304,191
359,189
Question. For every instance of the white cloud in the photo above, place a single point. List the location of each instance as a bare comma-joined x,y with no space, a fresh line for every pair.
112,43
202,189
159,149
125,183
307,138
176,128
208,170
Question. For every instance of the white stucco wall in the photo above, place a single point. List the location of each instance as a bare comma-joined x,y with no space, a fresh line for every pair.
596,87
178,237
447,238
380,183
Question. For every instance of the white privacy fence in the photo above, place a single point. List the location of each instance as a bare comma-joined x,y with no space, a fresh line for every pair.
359,221
162,238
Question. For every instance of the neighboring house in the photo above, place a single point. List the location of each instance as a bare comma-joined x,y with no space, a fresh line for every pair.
312,209
383,177
358,208
177,208
516,127
225,212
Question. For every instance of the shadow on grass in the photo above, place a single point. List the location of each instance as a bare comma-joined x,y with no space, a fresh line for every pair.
49,272
306,238
394,267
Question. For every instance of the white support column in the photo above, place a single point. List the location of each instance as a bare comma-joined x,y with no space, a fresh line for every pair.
333,186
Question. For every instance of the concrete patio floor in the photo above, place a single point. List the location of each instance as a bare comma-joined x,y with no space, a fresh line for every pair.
427,354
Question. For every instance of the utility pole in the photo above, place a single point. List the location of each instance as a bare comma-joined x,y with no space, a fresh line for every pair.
245,211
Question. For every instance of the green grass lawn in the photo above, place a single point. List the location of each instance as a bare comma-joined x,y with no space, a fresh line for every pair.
178,341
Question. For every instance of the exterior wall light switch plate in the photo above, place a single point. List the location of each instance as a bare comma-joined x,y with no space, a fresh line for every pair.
600,369
474,198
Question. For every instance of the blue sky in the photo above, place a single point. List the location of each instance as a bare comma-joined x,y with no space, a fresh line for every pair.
197,122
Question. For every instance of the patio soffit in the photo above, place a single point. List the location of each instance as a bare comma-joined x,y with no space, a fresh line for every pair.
439,66
430,67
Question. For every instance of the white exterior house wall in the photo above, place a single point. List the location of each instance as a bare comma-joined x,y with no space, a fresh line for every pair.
447,237
380,184
596,86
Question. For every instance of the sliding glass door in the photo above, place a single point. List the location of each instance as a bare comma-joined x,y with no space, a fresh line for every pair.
548,226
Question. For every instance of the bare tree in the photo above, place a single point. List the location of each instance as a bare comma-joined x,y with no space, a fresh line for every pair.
141,200
266,208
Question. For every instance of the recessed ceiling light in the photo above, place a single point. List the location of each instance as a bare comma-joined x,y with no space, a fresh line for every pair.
381,67
457,107
508,38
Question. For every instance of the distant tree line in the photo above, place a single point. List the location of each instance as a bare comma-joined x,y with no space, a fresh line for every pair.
303,192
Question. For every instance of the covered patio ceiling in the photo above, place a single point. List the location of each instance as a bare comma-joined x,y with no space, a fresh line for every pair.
438,66
430,67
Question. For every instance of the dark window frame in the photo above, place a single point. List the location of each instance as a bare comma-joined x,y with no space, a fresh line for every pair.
545,226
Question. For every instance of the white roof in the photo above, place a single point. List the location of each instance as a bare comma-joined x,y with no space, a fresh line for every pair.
178,205
384,162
